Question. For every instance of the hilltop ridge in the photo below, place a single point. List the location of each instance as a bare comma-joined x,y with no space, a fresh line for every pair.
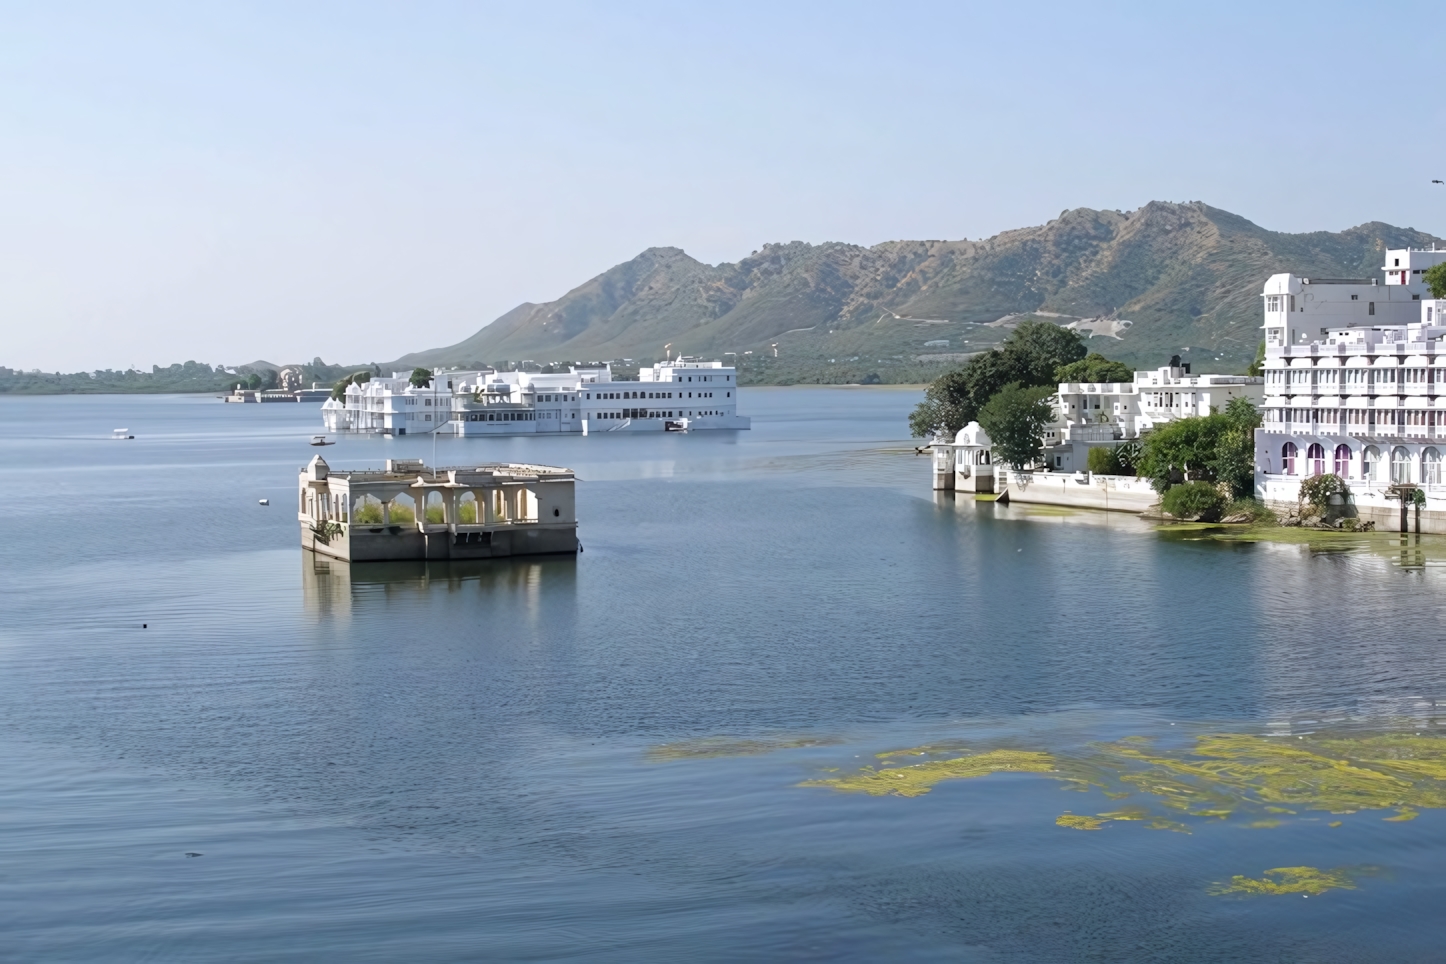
1163,279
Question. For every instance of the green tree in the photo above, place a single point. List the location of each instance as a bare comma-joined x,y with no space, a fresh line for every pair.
421,378
1094,367
1015,419
1257,367
1435,278
1181,451
1234,459
1029,357
1219,447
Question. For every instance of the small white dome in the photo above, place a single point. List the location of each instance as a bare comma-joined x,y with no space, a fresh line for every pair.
973,435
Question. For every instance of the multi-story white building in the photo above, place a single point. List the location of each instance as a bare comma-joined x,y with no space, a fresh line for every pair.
1102,413
1362,395
681,394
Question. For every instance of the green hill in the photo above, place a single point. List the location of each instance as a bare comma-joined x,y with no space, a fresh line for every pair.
1164,279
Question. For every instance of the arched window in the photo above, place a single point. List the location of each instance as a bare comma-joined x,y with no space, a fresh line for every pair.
1431,467
1400,464
1343,460
1315,456
1370,463
1287,458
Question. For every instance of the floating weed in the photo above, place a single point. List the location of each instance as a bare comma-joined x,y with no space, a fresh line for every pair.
917,779
1077,821
1259,779
722,746
1335,823
1288,880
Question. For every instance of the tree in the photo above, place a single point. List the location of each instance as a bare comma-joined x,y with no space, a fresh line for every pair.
421,378
1029,357
1181,451
1435,278
1015,419
1094,367
1257,367
1219,447
1234,460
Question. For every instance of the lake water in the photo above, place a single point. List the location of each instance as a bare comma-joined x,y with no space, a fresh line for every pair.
601,758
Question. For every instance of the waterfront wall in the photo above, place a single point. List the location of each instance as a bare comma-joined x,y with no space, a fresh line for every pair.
1115,493
362,543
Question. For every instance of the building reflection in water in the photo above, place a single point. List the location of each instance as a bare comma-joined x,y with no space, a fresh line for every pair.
332,588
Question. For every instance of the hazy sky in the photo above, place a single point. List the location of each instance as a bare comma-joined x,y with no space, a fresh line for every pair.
226,182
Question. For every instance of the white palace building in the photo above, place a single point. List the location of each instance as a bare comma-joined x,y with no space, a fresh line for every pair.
1355,384
677,395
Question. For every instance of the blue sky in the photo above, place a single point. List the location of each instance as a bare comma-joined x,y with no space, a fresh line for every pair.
354,180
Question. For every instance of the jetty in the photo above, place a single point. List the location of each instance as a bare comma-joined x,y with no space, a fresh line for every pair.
410,511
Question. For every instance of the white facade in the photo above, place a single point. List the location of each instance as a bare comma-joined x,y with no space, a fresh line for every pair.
1365,399
1102,413
673,395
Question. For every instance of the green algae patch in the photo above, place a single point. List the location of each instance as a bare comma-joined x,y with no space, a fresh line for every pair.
722,746
917,779
1405,549
1077,821
1288,880
1247,780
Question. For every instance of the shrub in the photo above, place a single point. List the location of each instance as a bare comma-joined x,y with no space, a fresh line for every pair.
1104,460
434,515
467,513
402,514
1193,500
369,514
1317,490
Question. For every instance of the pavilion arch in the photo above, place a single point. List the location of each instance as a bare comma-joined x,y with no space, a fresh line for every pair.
368,510
403,509
467,506
436,508
1315,459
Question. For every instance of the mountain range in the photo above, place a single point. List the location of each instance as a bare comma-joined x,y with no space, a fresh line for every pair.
1167,278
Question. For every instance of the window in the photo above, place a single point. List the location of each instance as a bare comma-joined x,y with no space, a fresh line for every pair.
1272,302
1342,465
1371,308
1400,464
1370,460
1287,458
1355,297
1431,467
1316,456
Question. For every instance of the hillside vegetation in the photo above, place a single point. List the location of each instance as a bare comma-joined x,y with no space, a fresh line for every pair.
1185,277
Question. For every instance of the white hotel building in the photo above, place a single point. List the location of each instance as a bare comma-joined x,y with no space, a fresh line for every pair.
1355,384
1089,414
676,395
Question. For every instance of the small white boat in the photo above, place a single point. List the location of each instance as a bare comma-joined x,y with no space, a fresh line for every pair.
121,433
263,501
675,425
320,440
